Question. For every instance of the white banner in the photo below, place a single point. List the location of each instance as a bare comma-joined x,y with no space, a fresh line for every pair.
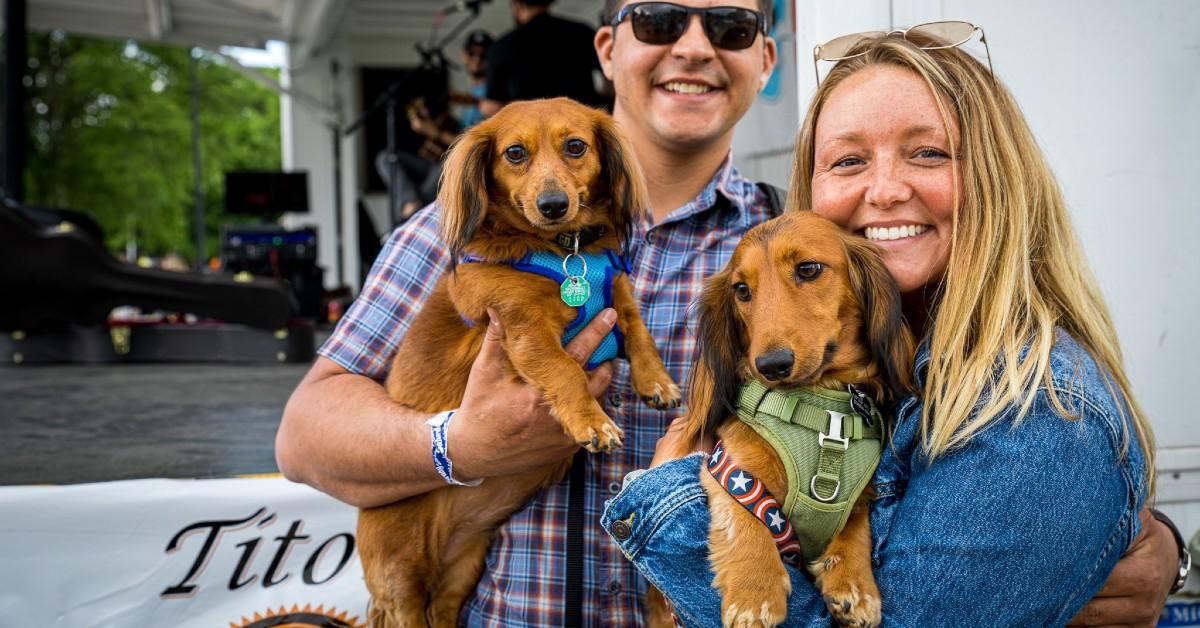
203,553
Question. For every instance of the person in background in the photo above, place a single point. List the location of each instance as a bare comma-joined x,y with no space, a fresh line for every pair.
474,60
414,181
543,57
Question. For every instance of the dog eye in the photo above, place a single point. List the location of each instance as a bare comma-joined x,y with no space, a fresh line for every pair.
741,291
807,271
515,154
575,148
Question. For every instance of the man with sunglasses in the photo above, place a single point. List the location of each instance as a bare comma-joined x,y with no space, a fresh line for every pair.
684,73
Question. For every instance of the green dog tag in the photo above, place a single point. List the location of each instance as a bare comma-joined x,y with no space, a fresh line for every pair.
575,291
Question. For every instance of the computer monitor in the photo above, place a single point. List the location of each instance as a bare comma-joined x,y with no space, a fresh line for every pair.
266,193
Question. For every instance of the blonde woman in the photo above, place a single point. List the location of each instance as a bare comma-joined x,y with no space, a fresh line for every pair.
1014,480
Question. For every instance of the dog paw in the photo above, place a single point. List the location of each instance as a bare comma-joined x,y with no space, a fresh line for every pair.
601,437
764,615
662,396
757,598
850,594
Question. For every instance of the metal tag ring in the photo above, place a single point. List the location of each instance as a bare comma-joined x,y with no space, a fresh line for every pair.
812,489
567,272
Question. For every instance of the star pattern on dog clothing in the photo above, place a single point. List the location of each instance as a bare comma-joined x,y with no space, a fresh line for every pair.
753,495
776,522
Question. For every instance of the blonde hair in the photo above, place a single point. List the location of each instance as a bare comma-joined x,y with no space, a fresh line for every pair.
1016,271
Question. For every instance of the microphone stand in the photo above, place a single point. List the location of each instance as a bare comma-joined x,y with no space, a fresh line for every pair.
432,58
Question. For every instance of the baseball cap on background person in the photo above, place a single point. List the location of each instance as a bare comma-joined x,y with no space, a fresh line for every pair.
478,39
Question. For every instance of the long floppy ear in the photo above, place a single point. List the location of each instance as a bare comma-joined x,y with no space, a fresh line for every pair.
887,335
463,190
620,168
722,345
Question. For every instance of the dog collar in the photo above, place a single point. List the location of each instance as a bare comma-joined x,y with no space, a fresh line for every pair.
587,235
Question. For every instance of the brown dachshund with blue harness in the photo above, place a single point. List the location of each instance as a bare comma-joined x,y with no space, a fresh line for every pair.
537,205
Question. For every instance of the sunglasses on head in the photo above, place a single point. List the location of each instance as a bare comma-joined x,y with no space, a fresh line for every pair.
660,23
928,36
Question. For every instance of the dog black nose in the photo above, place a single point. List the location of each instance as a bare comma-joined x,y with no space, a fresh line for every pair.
776,364
553,204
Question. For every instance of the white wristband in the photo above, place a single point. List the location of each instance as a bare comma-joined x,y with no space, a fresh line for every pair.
438,424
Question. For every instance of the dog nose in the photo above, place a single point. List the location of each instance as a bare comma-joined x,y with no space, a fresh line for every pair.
553,204
775,365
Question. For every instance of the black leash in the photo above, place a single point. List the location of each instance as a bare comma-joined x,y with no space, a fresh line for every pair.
573,613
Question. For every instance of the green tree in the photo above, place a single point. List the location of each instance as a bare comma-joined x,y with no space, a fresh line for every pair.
110,135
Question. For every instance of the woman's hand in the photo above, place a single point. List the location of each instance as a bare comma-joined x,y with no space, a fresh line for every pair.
1136,590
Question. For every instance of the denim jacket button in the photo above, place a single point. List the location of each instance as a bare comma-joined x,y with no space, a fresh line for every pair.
621,530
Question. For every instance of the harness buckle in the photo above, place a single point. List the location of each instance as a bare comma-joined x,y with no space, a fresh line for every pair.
835,431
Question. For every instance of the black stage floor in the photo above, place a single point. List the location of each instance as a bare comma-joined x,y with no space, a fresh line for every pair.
74,424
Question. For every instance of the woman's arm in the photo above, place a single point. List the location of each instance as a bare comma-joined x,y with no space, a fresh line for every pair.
660,521
1020,527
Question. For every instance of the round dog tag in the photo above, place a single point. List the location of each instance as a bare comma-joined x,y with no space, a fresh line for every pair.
575,291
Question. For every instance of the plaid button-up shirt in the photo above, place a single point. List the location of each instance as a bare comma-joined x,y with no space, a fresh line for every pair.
525,580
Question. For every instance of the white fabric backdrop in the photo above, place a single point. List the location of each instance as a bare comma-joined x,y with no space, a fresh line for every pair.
176,552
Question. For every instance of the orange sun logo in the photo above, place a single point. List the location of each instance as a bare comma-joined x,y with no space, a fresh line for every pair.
307,617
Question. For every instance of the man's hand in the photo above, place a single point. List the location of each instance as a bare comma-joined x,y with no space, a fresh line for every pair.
503,425
1136,590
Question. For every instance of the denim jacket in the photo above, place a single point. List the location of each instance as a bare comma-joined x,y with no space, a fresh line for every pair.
1020,527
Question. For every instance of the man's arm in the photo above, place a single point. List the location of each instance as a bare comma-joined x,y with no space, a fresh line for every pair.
1136,590
342,435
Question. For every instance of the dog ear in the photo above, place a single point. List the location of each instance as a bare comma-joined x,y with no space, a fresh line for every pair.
722,344
887,334
620,168
463,189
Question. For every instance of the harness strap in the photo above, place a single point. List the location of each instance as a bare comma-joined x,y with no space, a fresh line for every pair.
826,482
807,407
753,495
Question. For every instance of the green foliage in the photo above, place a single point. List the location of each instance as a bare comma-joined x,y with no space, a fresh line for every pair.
110,135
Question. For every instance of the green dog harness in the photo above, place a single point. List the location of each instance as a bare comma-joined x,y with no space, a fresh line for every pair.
829,441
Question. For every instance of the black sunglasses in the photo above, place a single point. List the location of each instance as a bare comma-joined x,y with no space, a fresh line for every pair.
660,23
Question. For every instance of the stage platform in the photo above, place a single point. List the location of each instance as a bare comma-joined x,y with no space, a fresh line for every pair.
65,424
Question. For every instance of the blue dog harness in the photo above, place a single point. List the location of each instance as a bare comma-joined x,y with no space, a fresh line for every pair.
600,268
